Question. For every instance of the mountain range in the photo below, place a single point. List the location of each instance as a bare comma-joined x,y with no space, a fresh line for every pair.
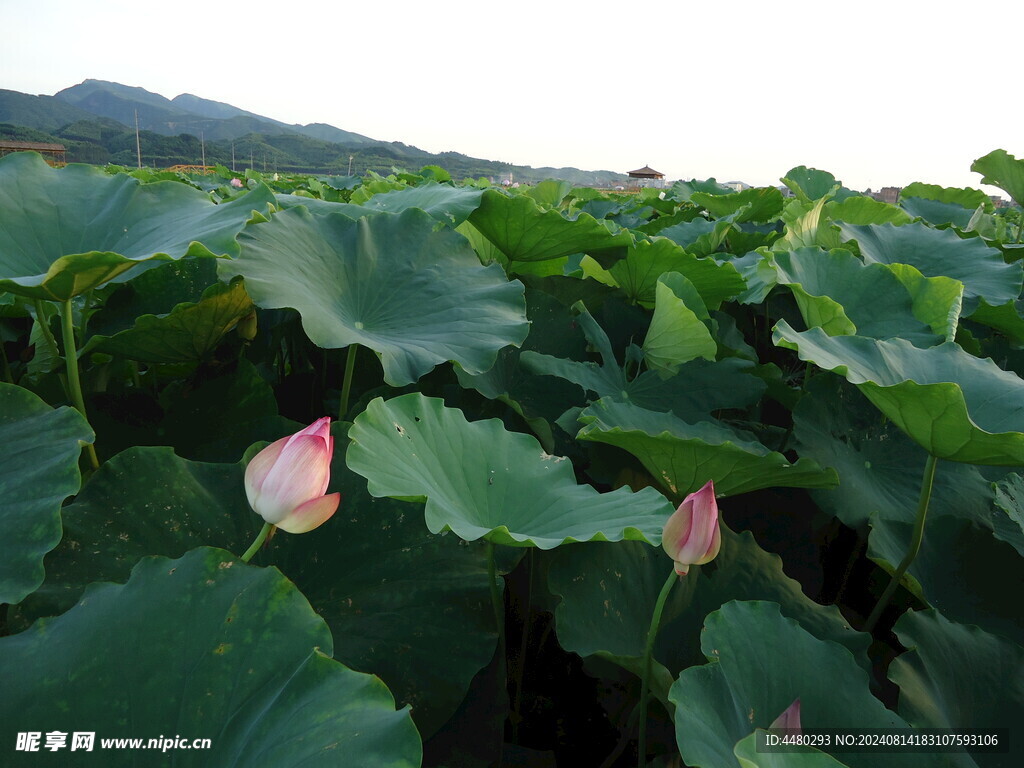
96,119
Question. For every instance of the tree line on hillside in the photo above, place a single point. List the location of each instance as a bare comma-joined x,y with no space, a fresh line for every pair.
104,141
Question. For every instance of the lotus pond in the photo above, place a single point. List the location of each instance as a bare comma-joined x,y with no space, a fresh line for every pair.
523,386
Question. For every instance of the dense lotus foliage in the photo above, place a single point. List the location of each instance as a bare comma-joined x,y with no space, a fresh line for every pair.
523,385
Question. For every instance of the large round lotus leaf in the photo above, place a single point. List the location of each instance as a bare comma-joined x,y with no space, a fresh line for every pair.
936,252
956,676
682,457
760,661
65,231
837,292
525,232
608,593
956,406
41,448
203,647
480,480
396,283
408,606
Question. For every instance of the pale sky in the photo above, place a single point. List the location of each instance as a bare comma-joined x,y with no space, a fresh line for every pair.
878,93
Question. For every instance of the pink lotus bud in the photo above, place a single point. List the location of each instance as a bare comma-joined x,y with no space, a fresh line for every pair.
790,718
236,183
692,535
286,481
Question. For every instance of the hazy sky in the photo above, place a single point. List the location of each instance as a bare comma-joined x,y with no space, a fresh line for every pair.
878,93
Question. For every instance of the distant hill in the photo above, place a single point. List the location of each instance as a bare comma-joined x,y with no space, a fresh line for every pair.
95,120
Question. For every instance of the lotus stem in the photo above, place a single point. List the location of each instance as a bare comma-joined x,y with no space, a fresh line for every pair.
915,543
645,679
8,375
346,385
74,380
261,537
523,648
499,618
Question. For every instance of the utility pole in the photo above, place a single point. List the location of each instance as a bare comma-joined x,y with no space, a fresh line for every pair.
202,143
232,157
350,164
138,145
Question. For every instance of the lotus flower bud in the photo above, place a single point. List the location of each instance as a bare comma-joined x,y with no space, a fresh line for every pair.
790,718
236,183
692,536
286,481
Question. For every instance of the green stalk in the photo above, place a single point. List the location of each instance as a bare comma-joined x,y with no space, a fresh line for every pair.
499,618
645,680
915,543
346,386
257,542
8,375
523,647
74,380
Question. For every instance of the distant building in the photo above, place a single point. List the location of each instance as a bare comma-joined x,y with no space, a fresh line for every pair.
647,177
888,194
54,154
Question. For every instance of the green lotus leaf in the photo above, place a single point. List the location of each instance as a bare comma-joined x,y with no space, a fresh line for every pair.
959,677
189,333
156,291
699,237
956,406
936,252
1001,169
964,197
550,192
41,447
481,481
452,205
934,212
319,207
866,210
1009,499
398,600
810,184
525,232
962,565
66,231
678,333
414,294
1008,318
637,274
607,596
206,647
749,756
759,662
765,203
684,190
879,467
682,457
843,296
699,387
961,570
807,225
